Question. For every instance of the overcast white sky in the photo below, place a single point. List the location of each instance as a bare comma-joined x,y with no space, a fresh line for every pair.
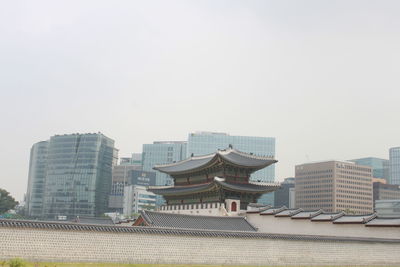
321,76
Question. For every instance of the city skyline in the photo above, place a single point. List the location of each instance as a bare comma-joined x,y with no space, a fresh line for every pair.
321,77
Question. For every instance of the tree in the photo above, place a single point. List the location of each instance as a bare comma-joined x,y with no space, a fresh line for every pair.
7,202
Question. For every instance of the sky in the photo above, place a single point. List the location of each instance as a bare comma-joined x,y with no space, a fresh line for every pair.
322,77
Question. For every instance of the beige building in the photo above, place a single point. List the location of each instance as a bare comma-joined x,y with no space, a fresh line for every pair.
334,186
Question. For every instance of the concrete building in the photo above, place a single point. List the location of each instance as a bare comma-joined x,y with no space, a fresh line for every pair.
201,143
36,179
74,176
386,191
137,198
163,153
121,176
380,167
285,195
388,208
394,165
334,186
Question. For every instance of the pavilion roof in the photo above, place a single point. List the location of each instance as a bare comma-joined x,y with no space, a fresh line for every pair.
229,156
216,183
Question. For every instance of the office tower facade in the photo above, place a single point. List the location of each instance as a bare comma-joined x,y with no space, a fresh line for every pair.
201,143
334,186
162,153
120,178
284,196
77,177
386,191
380,167
394,165
137,198
36,179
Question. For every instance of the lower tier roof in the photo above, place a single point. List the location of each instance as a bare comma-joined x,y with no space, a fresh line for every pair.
215,184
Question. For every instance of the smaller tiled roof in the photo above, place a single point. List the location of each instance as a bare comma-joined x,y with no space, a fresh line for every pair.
199,222
273,211
307,214
355,218
327,217
388,222
288,213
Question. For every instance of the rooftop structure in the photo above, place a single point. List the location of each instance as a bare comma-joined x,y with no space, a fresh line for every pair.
215,178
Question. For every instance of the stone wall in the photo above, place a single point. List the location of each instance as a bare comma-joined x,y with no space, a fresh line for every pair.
171,246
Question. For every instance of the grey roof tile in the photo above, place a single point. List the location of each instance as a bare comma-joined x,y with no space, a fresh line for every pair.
395,222
229,155
160,219
273,211
327,217
355,218
288,213
307,214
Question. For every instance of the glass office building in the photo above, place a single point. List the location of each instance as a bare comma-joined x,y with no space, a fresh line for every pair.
76,172
394,165
36,179
201,143
161,153
380,167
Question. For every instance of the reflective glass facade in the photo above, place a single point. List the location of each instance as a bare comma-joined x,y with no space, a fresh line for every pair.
201,143
394,163
77,177
380,167
161,153
36,179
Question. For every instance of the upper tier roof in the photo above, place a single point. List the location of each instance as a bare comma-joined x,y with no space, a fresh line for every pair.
230,156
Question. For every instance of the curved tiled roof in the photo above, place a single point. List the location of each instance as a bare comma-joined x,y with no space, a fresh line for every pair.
355,218
181,190
307,214
171,220
231,156
389,222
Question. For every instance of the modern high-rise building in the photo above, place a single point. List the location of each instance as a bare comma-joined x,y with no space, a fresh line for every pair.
386,191
380,167
137,198
334,186
77,178
120,178
394,165
36,179
162,153
285,195
201,143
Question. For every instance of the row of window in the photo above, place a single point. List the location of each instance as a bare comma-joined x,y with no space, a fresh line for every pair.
191,206
313,172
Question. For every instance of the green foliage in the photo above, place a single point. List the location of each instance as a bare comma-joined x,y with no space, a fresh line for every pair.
7,202
17,262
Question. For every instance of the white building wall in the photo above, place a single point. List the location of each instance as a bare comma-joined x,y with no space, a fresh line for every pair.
286,225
